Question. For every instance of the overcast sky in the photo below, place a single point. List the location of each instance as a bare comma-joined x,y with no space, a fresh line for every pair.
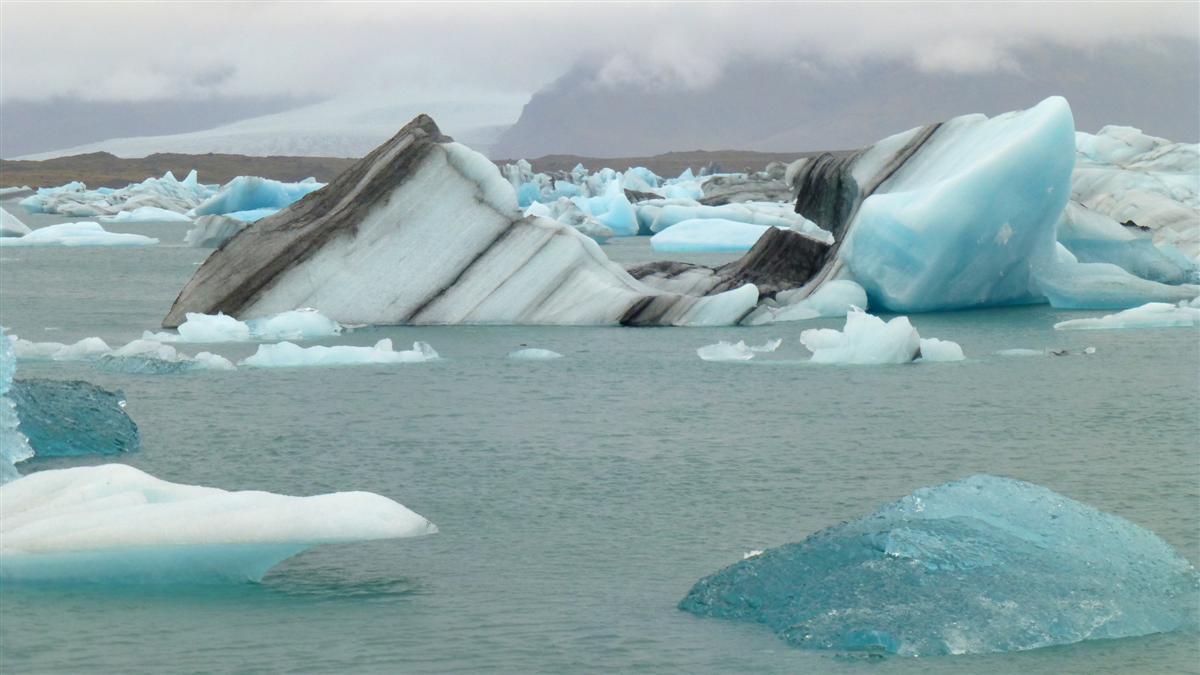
152,52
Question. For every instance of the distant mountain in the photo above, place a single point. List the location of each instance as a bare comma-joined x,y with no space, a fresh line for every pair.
805,106
349,127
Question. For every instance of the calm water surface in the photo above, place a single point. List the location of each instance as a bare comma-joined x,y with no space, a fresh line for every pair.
579,499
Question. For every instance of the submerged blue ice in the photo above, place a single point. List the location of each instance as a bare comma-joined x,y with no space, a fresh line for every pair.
68,418
980,565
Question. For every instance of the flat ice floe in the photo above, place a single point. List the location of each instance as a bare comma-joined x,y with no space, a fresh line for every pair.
867,339
146,214
708,235
1150,315
981,565
736,351
289,355
77,234
114,523
534,354
296,324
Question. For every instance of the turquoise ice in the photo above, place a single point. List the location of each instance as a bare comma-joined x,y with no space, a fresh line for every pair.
985,564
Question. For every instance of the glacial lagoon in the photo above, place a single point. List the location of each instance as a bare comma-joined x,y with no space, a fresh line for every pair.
579,499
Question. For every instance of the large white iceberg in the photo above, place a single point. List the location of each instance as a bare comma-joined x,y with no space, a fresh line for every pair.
980,565
289,355
1146,181
867,339
114,523
77,234
1149,315
426,231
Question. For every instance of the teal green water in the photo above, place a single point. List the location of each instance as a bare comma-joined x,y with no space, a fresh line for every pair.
579,499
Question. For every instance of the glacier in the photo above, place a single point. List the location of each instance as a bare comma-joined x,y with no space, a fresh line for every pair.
114,523
289,355
14,447
869,340
1149,315
984,564
77,234
69,418
425,231
297,324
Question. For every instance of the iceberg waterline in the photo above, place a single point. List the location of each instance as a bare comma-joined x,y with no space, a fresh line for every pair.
114,523
980,565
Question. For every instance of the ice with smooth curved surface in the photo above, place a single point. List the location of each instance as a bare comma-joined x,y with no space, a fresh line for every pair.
959,223
297,324
251,193
1149,315
83,350
710,235
832,299
1096,238
77,234
11,226
14,447
981,565
534,354
114,523
146,214
289,355
933,349
69,418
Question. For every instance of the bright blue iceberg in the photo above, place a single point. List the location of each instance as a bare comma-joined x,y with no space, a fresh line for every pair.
980,565
69,418
958,224
245,196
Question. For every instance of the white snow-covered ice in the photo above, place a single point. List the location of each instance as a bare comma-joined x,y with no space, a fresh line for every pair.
534,354
736,351
115,523
77,234
1149,315
710,235
867,339
297,324
290,355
